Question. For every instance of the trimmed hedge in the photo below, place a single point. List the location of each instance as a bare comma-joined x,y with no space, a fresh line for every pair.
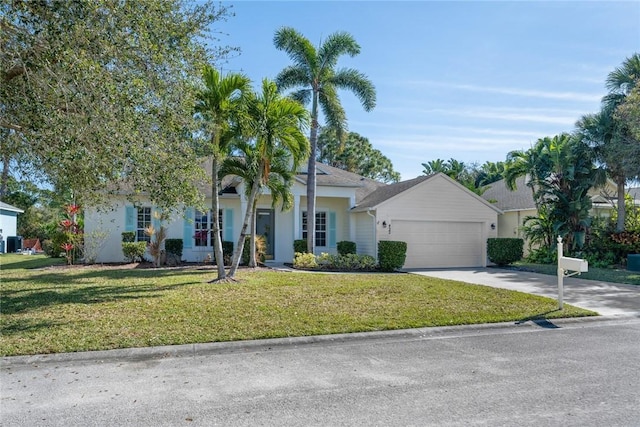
345,247
128,236
391,254
300,246
504,250
174,246
134,251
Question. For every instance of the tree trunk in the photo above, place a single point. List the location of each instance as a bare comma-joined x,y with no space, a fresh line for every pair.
252,247
5,175
620,181
311,177
215,214
237,253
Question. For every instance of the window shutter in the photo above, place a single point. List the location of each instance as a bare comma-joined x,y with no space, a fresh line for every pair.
227,224
332,229
129,218
187,231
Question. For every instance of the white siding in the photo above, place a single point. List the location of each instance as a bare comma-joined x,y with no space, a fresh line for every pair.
365,239
436,211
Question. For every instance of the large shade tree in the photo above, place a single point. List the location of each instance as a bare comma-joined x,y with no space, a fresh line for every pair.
273,123
219,105
99,94
316,79
355,154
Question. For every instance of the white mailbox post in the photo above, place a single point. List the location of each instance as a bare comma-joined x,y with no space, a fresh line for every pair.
565,265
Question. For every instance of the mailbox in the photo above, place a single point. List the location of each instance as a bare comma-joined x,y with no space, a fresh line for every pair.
574,264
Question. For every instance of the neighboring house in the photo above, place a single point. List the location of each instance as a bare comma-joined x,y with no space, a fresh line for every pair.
8,228
443,223
519,204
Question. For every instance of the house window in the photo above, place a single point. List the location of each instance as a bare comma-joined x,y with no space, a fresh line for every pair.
203,227
142,223
321,228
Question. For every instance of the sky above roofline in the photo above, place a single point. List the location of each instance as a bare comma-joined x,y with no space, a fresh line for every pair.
464,80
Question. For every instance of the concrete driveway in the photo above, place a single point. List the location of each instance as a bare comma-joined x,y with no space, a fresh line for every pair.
608,299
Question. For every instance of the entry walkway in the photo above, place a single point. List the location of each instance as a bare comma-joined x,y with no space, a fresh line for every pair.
608,299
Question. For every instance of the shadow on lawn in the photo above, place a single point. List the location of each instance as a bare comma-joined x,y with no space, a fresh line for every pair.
28,298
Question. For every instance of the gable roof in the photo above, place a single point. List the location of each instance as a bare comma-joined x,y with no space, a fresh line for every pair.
7,207
500,196
634,193
390,191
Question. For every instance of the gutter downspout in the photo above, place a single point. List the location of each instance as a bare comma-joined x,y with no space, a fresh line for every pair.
375,234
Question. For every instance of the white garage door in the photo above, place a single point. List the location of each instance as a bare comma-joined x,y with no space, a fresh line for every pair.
433,244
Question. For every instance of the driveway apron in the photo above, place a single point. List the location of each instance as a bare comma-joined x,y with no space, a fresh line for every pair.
608,299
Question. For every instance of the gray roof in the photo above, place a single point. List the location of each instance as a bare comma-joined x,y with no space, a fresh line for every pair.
7,207
634,192
500,196
388,191
331,176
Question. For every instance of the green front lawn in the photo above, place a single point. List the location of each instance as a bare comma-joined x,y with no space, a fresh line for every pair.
61,309
599,274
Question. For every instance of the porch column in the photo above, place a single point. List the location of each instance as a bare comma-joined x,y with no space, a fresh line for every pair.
352,219
296,217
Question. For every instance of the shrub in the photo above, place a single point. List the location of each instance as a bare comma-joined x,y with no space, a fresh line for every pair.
174,246
227,252
345,247
391,254
543,255
134,251
504,250
58,239
349,262
128,236
304,260
261,249
93,243
300,246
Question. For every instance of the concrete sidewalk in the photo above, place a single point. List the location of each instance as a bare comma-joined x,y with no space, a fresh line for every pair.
608,299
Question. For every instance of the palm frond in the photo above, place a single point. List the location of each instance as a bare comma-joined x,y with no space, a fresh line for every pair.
358,83
298,47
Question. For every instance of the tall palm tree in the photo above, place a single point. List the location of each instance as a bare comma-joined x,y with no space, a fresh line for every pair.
274,123
218,102
317,80
279,181
610,138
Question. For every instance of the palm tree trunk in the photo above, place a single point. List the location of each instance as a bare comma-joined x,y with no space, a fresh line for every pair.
620,181
215,213
252,247
311,177
237,253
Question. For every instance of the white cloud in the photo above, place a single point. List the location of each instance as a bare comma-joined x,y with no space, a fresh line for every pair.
567,96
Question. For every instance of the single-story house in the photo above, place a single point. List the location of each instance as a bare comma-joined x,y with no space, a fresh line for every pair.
443,223
518,204
8,226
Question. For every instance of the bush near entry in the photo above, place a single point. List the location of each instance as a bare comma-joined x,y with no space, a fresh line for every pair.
391,254
504,250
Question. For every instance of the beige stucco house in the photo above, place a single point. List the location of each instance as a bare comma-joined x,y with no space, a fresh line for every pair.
443,223
518,204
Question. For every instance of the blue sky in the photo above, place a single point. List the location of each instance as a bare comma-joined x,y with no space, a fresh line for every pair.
464,80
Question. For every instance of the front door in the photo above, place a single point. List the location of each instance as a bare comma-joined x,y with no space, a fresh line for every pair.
265,227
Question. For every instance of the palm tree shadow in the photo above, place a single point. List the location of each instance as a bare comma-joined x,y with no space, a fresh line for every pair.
540,320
